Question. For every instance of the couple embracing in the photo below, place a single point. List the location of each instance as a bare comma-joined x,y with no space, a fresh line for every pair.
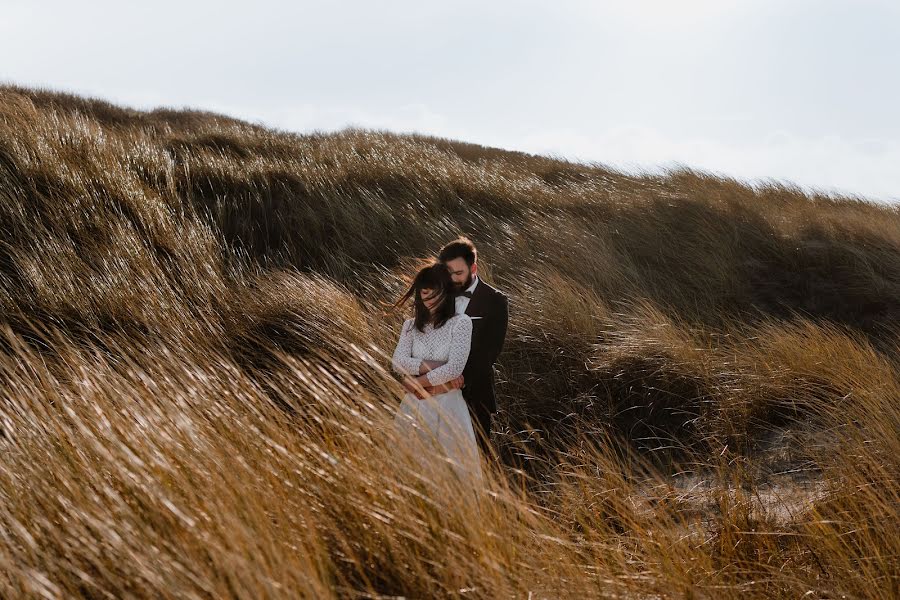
446,353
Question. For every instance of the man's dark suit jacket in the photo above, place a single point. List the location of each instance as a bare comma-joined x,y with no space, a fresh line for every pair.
489,309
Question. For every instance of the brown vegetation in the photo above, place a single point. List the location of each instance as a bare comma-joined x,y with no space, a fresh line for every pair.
700,393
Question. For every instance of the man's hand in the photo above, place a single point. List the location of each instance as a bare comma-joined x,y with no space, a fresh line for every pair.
420,388
451,385
457,383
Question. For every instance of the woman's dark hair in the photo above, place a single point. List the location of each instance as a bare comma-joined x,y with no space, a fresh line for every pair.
462,247
435,277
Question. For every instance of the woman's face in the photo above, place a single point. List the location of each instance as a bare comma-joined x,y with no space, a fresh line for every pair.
430,298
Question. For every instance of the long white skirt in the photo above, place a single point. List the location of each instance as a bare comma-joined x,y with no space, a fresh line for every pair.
443,423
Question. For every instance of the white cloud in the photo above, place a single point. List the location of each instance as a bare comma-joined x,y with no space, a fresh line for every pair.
829,163
414,117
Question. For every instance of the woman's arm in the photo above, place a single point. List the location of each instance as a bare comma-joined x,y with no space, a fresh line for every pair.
460,345
430,365
403,361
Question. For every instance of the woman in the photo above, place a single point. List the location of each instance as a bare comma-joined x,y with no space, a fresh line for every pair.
432,350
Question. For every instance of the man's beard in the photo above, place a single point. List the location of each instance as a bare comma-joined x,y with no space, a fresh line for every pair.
461,287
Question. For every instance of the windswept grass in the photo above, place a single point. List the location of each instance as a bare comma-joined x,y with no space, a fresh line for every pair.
699,397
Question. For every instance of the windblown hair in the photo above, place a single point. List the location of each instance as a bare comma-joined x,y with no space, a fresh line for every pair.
435,277
461,247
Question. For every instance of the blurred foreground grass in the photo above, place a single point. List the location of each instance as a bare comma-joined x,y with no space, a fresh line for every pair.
699,396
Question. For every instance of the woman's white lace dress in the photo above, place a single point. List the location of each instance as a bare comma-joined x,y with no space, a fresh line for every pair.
443,418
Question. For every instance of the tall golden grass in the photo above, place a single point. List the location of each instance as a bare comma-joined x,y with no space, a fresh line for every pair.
699,397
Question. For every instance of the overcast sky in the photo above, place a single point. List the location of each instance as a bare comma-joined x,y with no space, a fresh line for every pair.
800,90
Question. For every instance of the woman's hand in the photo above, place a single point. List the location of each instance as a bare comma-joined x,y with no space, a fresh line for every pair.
413,386
423,387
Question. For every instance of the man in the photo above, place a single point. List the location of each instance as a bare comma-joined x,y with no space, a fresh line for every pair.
489,310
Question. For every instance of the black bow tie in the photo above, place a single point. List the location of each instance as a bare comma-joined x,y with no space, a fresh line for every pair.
465,294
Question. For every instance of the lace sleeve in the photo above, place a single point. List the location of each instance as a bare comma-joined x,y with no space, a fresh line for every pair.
403,361
460,344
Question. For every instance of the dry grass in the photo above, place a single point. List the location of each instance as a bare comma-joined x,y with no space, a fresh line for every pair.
699,394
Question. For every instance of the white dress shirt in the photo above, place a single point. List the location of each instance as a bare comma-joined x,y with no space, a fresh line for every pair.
462,303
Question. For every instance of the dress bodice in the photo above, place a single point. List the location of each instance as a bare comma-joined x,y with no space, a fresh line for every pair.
449,343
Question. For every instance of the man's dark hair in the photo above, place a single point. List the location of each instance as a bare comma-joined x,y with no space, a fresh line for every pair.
461,247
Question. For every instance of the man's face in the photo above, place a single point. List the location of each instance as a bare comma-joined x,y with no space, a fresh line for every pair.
461,274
